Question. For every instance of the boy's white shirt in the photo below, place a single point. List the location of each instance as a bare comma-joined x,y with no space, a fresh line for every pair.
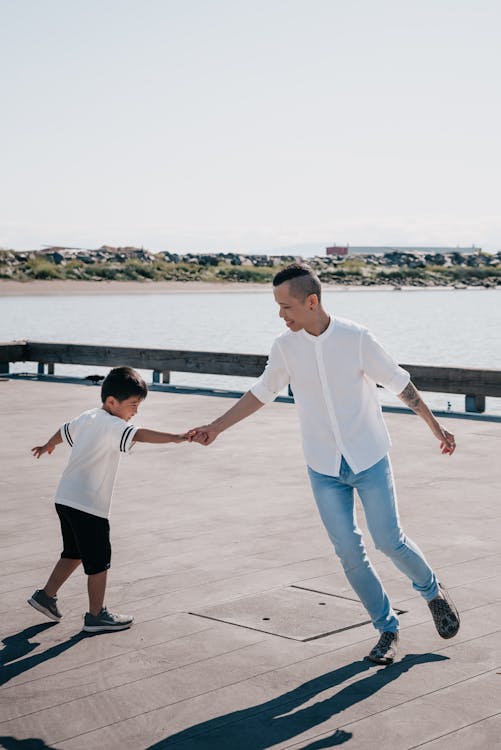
333,377
97,440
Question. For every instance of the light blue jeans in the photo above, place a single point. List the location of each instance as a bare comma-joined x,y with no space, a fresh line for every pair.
375,487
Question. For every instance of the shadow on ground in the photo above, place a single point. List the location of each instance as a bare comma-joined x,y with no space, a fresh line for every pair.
20,645
282,718
30,743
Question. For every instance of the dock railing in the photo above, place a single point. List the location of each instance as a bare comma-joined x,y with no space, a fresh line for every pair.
474,383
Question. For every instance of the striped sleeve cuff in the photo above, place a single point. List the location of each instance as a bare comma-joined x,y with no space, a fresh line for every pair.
66,434
126,439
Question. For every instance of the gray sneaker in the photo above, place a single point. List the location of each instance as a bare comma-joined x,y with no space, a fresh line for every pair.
106,621
45,604
385,650
445,614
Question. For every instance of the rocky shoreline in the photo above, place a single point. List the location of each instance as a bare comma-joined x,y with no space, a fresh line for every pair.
132,265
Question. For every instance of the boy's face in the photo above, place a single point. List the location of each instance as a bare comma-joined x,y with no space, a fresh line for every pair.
125,409
295,312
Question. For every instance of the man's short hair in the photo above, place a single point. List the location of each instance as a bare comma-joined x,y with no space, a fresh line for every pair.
302,279
122,383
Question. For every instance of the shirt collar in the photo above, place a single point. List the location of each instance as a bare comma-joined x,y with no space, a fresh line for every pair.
323,335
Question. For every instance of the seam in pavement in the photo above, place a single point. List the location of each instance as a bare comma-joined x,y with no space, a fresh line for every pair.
179,571
455,731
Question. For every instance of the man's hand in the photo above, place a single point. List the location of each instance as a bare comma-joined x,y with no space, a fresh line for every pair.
205,435
411,397
447,440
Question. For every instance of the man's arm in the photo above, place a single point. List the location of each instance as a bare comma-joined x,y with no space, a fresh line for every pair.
154,436
244,407
411,397
49,446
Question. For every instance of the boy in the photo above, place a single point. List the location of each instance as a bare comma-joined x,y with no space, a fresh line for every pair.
97,439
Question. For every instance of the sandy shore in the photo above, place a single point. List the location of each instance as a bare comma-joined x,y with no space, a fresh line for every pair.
58,288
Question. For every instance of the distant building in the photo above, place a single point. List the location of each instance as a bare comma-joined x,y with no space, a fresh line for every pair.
337,250
381,250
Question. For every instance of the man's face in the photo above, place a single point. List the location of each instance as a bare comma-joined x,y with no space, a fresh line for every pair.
295,312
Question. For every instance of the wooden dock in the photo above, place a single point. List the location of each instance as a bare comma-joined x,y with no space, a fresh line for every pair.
220,555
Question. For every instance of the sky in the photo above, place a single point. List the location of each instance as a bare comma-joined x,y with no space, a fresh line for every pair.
250,125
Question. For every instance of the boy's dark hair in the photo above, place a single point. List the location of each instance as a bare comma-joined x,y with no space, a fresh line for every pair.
303,280
122,383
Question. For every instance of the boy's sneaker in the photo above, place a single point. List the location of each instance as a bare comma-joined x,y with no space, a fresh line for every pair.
385,650
45,604
106,621
445,614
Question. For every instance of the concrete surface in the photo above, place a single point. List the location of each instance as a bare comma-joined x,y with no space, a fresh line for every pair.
198,528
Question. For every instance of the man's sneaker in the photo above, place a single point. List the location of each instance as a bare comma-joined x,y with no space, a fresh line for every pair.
106,621
45,604
445,614
385,650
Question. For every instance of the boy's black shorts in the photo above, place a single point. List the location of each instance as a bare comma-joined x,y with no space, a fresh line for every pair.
86,538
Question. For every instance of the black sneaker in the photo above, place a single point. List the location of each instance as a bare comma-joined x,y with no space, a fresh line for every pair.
385,650
106,621
445,614
45,604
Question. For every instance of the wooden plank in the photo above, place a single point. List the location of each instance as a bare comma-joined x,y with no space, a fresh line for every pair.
472,380
13,351
216,363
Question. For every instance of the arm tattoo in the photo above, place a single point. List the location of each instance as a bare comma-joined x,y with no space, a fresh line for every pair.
411,397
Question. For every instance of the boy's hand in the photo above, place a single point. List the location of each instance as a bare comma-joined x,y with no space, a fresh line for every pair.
39,450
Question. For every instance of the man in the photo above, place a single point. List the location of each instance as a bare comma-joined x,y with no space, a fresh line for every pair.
333,366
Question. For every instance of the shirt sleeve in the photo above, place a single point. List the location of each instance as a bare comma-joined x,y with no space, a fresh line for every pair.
378,365
68,430
274,378
122,434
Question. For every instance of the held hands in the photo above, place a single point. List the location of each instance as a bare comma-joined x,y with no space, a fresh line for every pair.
205,435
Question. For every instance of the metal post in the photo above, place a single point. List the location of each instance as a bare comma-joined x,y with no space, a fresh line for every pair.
475,404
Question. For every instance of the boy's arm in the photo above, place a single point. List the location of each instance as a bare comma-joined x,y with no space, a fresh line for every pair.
49,446
412,398
153,436
244,407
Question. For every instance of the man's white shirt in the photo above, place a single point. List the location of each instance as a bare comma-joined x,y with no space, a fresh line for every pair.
97,440
334,380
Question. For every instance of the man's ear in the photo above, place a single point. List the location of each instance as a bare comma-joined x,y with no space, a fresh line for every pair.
312,301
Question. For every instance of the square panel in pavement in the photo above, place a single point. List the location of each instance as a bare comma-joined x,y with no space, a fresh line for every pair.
299,614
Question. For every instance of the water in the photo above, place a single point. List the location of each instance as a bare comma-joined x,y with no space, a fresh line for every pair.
436,327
